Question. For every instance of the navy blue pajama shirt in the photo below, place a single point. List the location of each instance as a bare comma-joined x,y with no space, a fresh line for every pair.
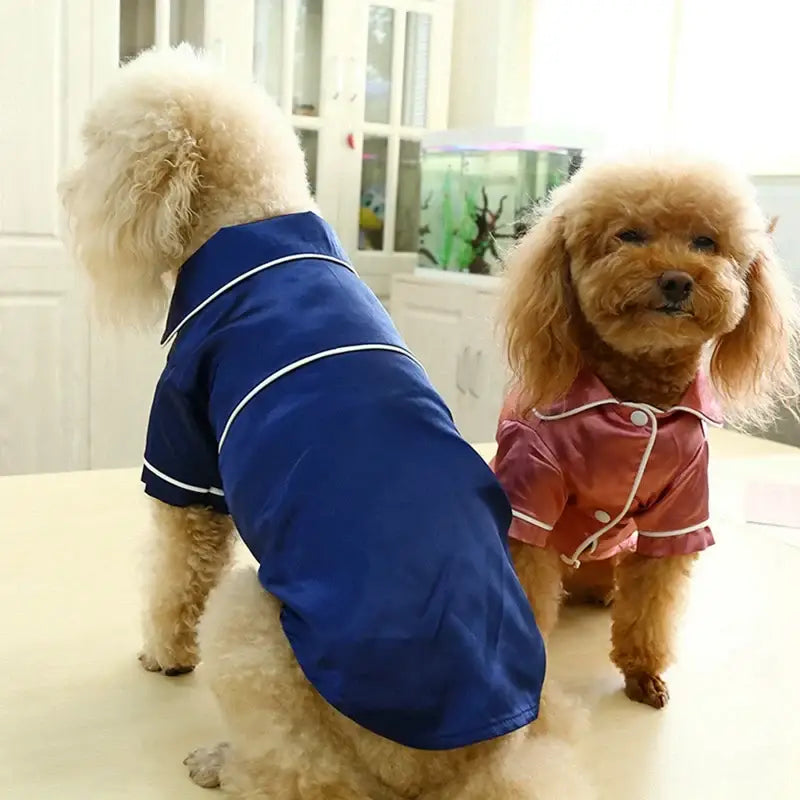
290,402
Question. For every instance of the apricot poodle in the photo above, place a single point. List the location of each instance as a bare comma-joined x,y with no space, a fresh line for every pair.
644,302
384,647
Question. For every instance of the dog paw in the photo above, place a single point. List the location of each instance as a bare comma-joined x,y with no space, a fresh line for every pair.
205,765
152,664
149,663
648,689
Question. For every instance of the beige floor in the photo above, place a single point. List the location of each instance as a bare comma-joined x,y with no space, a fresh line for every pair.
79,719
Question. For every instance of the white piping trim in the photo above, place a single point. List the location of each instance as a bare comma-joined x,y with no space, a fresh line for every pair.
643,406
336,351
531,520
180,484
578,410
697,413
663,534
249,274
588,542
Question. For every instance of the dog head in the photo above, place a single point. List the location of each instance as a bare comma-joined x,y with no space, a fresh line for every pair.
656,258
174,150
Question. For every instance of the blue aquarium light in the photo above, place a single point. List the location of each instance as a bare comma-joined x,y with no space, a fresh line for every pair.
493,140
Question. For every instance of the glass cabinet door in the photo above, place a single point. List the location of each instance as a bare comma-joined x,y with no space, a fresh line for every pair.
380,49
309,141
416,69
372,212
409,184
288,52
307,71
268,45
145,23
396,92
137,27
186,22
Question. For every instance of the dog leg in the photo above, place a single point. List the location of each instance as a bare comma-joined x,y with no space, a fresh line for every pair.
650,595
193,547
540,572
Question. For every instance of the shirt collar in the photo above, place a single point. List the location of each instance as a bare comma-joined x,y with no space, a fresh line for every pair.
589,391
235,251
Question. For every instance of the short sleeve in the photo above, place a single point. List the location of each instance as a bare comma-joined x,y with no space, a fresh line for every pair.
532,480
678,522
180,461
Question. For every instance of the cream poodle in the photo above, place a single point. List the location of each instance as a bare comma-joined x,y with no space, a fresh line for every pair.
646,301
384,647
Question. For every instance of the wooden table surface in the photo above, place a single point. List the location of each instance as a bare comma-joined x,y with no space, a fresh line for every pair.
80,719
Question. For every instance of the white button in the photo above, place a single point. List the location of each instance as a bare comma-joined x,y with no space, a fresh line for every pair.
602,516
639,418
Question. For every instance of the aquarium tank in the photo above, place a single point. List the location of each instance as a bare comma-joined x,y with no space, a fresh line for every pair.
478,190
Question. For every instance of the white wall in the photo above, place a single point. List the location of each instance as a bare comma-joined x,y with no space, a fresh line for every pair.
736,70
573,69
711,74
489,80
602,66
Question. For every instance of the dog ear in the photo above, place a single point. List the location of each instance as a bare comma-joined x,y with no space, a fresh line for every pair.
541,342
130,208
754,367
162,192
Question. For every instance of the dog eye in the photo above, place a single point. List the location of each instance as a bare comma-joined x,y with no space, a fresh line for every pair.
704,244
632,236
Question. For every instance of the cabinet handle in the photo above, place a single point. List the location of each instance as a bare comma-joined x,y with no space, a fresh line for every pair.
460,368
353,72
474,376
339,73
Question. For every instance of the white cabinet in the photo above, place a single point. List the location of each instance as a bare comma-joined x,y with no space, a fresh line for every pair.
449,322
432,319
487,376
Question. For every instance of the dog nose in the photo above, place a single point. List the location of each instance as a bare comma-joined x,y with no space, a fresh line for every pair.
676,286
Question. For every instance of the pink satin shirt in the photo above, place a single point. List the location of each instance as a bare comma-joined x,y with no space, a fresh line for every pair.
593,476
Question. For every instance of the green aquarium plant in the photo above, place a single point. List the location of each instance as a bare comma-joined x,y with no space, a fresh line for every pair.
448,235
477,234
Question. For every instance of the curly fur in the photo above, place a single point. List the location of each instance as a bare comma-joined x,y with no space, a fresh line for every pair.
174,151
579,295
